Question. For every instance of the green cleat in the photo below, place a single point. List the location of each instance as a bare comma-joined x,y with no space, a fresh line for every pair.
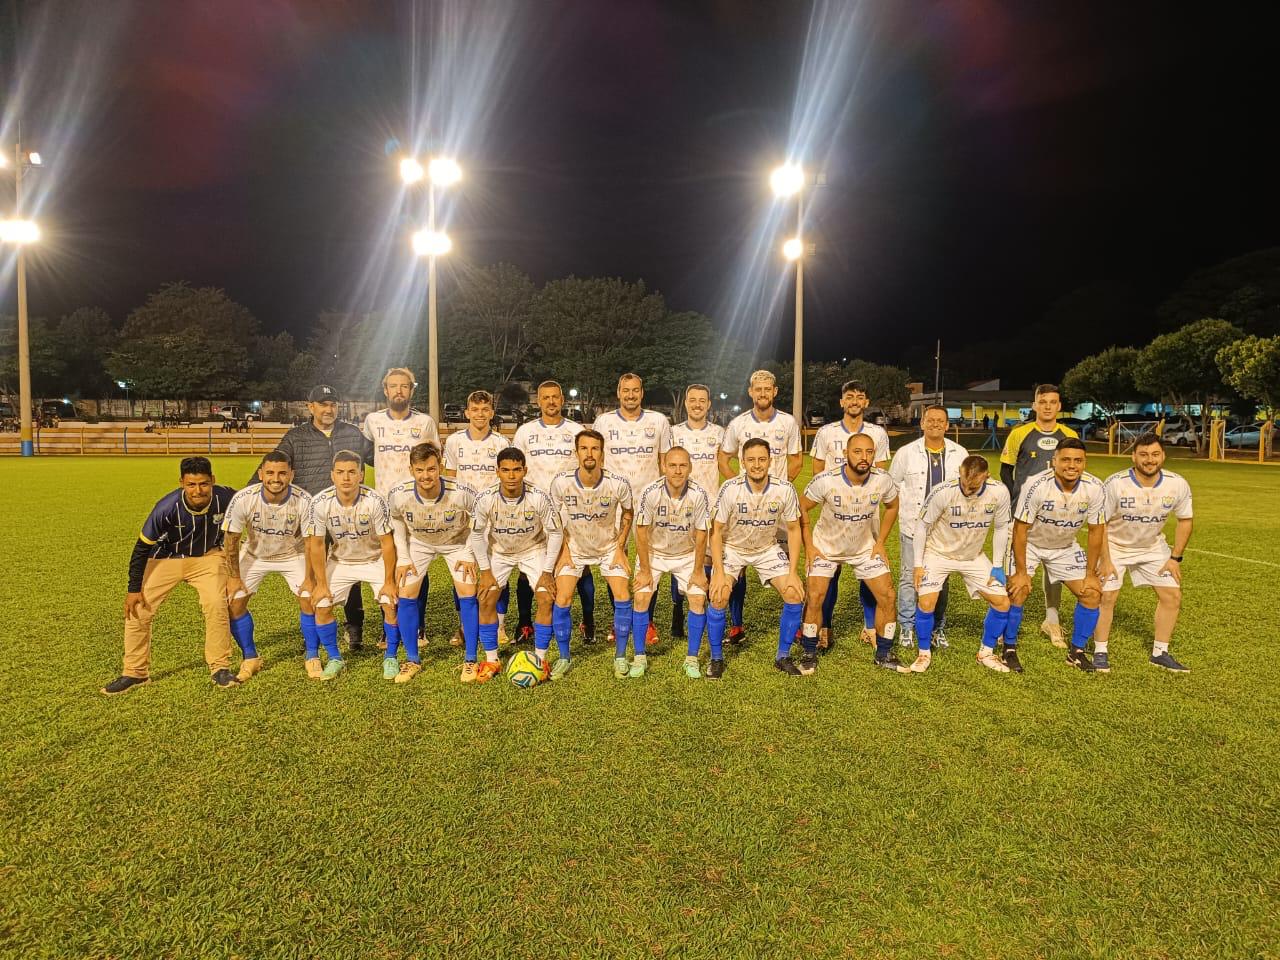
620,667
638,667
390,668
691,668
560,669
332,669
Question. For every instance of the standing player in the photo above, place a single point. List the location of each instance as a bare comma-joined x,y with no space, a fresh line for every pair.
828,451
1028,451
1139,501
595,511
1053,508
950,534
268,515
701,441
850,530
180,542
750,512
515,527
356,520
671,537
431,517
396,429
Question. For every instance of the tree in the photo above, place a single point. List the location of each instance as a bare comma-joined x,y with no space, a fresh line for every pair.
1252,368
187,366
179,308
1243,290
269,364
675,355
47,364
886,384
494,306
1104,379
1181,368
85,337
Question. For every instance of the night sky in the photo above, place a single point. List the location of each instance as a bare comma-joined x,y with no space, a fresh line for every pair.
983,160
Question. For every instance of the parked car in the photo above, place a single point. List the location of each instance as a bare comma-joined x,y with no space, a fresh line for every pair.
1249,435
1179,435
453,413
237,412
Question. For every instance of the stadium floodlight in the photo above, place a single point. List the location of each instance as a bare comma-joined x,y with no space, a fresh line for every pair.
573,393
34,159
431,243
411,170
444,171
724,396
19,232
787,180
793,249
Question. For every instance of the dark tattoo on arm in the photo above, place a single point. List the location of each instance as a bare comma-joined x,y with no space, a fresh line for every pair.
231,555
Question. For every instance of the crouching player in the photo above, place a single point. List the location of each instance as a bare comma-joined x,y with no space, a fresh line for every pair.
515,527
748,512
671,537
355,518
949,537
1053,508
263,534
431,517
1139,501
850,530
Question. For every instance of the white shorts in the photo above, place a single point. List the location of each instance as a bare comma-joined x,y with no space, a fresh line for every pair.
868,566
681,568
530,564
422,554
577,566
1144,569
343,576
253,571
976,574
1068,563
769,563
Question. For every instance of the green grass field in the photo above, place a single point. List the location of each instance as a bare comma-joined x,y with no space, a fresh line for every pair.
955,814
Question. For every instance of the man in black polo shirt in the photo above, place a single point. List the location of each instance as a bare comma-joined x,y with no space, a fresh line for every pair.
181,542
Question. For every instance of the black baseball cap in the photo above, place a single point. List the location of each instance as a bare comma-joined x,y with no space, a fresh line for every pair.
322,393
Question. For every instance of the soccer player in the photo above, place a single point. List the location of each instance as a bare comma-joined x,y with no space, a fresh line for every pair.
950,534
672,516
515,527
701,441
431,517
1028,452
180,542
749,512
1053,508
828,451
917,468
396,429
263,534
595,511
850,530
355,518
1139,501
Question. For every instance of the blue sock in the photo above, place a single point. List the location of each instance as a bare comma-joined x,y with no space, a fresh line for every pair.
715,632
696,624
587,595
924,630
1082,625
788,624
810,644
738,600
407,613
639,627
541,638
884,647
562,627
469,614
242,630
868,605
328,633
622,629
993,626
488,634
310,638
1012,627
392,631
829,601
504,599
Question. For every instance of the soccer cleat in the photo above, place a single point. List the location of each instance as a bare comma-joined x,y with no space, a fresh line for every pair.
332,669
589,636
390,668
651,636
123,684
1010,659
715,669
921,662
940,638
991,661
691,669
612,638
248,668
906,636
524,634
638,668
788,666
355,635
1100,662
891,663
824,639
560,669
408,670
487,671
620,667
224,679
737,636
503,639
1165,661
314,670
468,672
1054,632
1076,657
423,639
809,664
456,639
868,636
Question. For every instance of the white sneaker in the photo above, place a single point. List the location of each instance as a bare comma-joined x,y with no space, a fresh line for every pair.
940,638
992,662
1054,632
906,637
922,662
868,636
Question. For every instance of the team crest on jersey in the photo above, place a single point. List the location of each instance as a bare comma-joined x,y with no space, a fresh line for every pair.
773,506
650,433
528,514
989,508
1166,502
1083,508
450,515
415,432
290,518
605,501
875,499
777,435
363,517
217,518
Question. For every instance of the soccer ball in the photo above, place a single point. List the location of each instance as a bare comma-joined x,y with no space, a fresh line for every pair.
524,672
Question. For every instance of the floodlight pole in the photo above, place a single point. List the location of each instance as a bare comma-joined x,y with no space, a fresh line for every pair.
24,333
433,331
797,383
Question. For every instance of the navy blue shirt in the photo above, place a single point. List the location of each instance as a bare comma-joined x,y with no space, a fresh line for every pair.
173,529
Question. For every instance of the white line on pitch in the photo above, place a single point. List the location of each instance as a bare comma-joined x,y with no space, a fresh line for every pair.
1232,556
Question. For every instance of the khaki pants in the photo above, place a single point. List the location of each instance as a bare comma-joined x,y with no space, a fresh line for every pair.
207,576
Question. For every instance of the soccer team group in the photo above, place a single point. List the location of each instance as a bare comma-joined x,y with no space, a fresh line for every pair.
561,498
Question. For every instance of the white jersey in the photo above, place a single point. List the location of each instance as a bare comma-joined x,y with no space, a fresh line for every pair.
354,530
703,447
442,522
632,447
589,515
830,441
753,521
848,523
475,462
271,531
779,431
1056,515
1136,514
392,440
673,522
548,450
954,526
512,527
